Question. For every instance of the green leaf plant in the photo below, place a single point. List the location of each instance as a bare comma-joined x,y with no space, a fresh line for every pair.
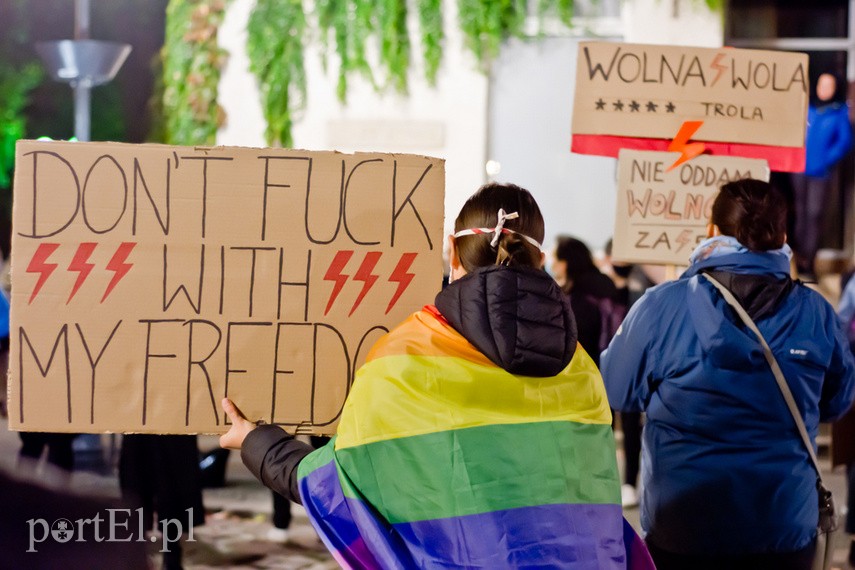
276,39
275,42
192,62
15,86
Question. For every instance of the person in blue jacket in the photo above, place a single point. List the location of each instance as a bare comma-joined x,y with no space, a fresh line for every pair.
727,482
828,140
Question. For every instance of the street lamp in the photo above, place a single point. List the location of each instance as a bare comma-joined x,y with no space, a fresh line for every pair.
83,63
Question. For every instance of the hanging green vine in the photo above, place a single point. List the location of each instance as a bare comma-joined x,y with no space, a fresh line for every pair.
276,34
487,23
275,47
192,62
430,22
351,23
394,41
715,5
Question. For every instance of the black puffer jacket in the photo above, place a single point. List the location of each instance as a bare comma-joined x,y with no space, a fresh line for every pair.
517,317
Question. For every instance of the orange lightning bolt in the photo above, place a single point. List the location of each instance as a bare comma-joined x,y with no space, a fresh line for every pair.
364,274
80,264
401,277
334,273
716,64
118,266
38,264
684,239
681,144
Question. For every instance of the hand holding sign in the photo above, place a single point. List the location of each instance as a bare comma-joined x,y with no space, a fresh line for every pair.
233,439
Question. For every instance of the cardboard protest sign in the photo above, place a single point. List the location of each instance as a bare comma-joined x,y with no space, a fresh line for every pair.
753,103
662,215
149,281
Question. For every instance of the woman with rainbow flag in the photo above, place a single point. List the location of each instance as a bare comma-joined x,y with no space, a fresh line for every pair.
477,434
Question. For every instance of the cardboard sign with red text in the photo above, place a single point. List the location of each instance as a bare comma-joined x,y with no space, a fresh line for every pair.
753,103
149,281
662,215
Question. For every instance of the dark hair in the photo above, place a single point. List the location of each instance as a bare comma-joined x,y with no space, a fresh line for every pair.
576,254
481,211
753,212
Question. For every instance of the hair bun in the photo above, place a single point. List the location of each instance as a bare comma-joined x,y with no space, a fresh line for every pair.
514,251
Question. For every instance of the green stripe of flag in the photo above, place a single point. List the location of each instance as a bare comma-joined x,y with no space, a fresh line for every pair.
316,459
486,468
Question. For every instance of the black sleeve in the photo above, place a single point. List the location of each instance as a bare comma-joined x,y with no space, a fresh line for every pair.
273,456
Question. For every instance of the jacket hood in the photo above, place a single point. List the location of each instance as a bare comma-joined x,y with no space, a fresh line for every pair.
760,282
517,317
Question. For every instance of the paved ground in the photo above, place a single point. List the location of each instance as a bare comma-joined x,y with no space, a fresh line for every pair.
234,536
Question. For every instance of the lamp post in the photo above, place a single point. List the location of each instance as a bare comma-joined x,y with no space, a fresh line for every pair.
83,63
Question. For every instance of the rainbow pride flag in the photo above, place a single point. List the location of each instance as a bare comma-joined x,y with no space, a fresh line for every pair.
444,460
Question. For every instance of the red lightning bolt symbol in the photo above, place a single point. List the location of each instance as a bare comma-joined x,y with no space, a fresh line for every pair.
334,274
401,277
681,144
38,264
364,274
718,66
80,265
118,266
684,238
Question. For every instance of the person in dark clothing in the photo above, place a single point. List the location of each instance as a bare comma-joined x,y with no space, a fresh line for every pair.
727,481
828,140
476,434
58,445
160,474
591,293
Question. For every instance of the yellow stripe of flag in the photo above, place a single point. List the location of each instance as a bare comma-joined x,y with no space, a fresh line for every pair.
401,393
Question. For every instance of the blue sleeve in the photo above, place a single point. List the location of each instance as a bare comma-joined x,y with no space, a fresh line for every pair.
626,364
838,387
842,140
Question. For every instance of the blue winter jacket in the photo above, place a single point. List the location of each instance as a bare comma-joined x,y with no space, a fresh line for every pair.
829,138
723,468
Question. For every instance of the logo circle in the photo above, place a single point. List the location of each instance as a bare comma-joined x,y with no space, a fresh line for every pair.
62,530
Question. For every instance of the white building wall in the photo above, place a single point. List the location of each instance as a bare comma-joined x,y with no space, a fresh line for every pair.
451,120
672,22
447,121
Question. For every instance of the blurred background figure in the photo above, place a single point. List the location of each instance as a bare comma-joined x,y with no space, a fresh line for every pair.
592,294
829,139
160,473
